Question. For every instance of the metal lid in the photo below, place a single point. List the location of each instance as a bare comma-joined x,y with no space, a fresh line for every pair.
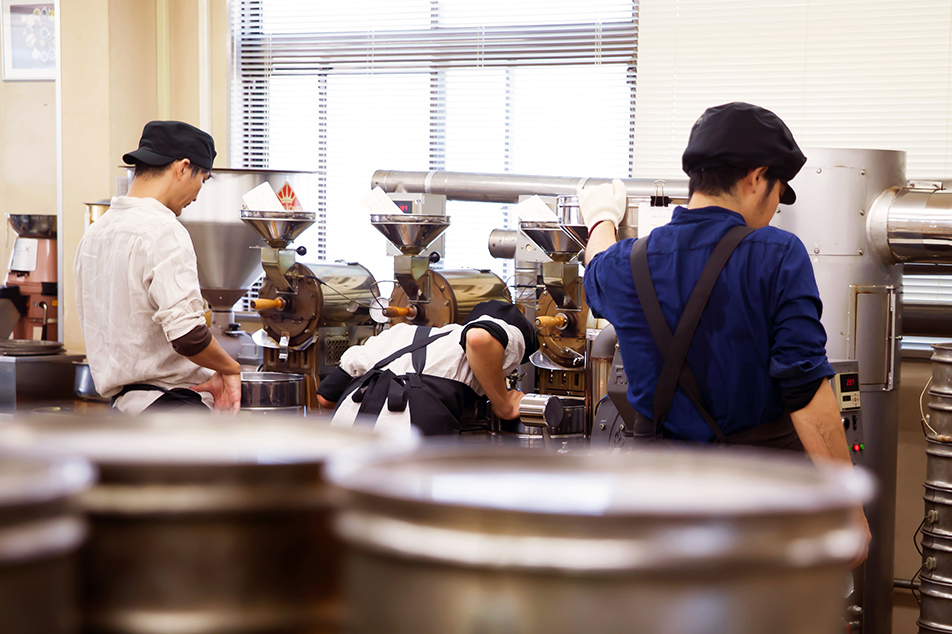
29,347
652,482
167,439
30,475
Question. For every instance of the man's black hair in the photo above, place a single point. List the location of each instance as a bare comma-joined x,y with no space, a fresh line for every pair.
147,171
720,180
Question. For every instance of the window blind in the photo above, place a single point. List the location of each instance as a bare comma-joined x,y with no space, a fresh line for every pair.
874,74
344,89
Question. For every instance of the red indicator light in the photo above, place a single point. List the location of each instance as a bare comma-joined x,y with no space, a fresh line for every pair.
856,447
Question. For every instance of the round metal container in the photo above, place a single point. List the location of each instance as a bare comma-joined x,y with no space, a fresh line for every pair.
95,211
204,524
453,296
938,464
83,384
938,510
940,416
937,555
941,369
328,295
39,536
273,392
935,607
452,540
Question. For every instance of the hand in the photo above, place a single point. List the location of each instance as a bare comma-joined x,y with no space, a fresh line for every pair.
508,408
603,202
226,390
859,519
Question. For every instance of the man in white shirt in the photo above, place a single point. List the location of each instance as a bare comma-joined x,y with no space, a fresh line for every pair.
137,289
426,377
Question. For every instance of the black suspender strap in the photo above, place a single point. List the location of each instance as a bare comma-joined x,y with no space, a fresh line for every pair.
675,371
420,340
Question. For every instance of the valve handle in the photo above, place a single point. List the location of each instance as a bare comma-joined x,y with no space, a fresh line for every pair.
301,251
267,304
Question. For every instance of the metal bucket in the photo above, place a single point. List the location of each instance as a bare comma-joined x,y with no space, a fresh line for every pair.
39,536
935,607
938,464
273,392
468,539
938,510
204,524
937,557
941,369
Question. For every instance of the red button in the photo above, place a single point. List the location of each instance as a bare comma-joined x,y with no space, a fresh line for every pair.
856,447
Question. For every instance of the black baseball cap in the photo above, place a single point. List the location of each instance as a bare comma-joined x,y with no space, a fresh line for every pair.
745,136
509,313
165,141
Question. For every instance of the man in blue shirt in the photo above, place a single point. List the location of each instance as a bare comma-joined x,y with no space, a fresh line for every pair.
753,368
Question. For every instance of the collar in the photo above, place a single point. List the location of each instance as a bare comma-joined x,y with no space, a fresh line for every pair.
683,215
132,202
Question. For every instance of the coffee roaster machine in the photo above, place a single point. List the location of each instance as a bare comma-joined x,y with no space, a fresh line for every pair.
859,220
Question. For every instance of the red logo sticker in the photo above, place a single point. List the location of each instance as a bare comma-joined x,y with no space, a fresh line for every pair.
289,199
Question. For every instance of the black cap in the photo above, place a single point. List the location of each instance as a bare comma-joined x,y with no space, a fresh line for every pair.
745,136
165,141
510,314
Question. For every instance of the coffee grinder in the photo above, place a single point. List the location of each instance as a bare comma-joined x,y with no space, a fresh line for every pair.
31,278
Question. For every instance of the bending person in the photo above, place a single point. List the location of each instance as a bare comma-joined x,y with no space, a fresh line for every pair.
427,377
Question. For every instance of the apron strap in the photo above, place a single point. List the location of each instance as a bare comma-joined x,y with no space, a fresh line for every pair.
675,371
420,340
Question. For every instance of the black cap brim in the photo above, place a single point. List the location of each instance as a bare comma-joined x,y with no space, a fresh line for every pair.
143,155
789,196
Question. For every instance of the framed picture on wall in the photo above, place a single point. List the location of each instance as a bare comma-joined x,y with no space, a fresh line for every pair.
28,40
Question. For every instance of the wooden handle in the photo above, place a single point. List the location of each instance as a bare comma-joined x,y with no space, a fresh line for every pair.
268,304
400,311
558,321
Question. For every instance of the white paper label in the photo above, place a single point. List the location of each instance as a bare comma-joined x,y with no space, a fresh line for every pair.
650,218
24,255
532,209
379,204
262,198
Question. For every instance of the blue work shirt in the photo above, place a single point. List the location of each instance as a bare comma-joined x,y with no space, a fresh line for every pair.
760,331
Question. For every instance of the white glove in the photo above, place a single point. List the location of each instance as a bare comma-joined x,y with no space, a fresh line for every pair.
603,202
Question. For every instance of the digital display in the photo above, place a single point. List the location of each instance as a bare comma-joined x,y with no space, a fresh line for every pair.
406,206
849,382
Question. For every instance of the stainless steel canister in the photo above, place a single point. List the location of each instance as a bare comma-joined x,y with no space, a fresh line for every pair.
935,607
941,369
940,416
273,392
938,464
202,524
938,510
936,557
482,539
39,536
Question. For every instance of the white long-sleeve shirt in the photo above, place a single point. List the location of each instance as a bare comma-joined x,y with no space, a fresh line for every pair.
136,291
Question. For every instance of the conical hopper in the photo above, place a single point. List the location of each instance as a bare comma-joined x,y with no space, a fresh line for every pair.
579,232
278,228
557,243
410,233
228,262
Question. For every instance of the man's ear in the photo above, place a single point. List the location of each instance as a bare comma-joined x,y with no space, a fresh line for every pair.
182,168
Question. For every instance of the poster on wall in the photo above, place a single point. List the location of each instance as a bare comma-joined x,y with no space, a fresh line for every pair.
28,40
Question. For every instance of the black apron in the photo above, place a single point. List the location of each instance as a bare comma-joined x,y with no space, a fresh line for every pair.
436,403
178,398
675,371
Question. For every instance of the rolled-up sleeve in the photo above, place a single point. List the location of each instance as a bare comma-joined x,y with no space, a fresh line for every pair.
798,353
173,286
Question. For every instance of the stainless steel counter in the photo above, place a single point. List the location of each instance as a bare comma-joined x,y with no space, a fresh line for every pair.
37,381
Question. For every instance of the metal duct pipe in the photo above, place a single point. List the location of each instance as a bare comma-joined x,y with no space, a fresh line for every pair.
506,188
912,225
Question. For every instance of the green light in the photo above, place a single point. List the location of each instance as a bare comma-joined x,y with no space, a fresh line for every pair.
862,447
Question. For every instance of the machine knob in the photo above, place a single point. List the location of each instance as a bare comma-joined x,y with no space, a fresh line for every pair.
434,257
301,251
410,312
267,304
559,321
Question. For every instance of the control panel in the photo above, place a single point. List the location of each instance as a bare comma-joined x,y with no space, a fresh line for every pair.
845,386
